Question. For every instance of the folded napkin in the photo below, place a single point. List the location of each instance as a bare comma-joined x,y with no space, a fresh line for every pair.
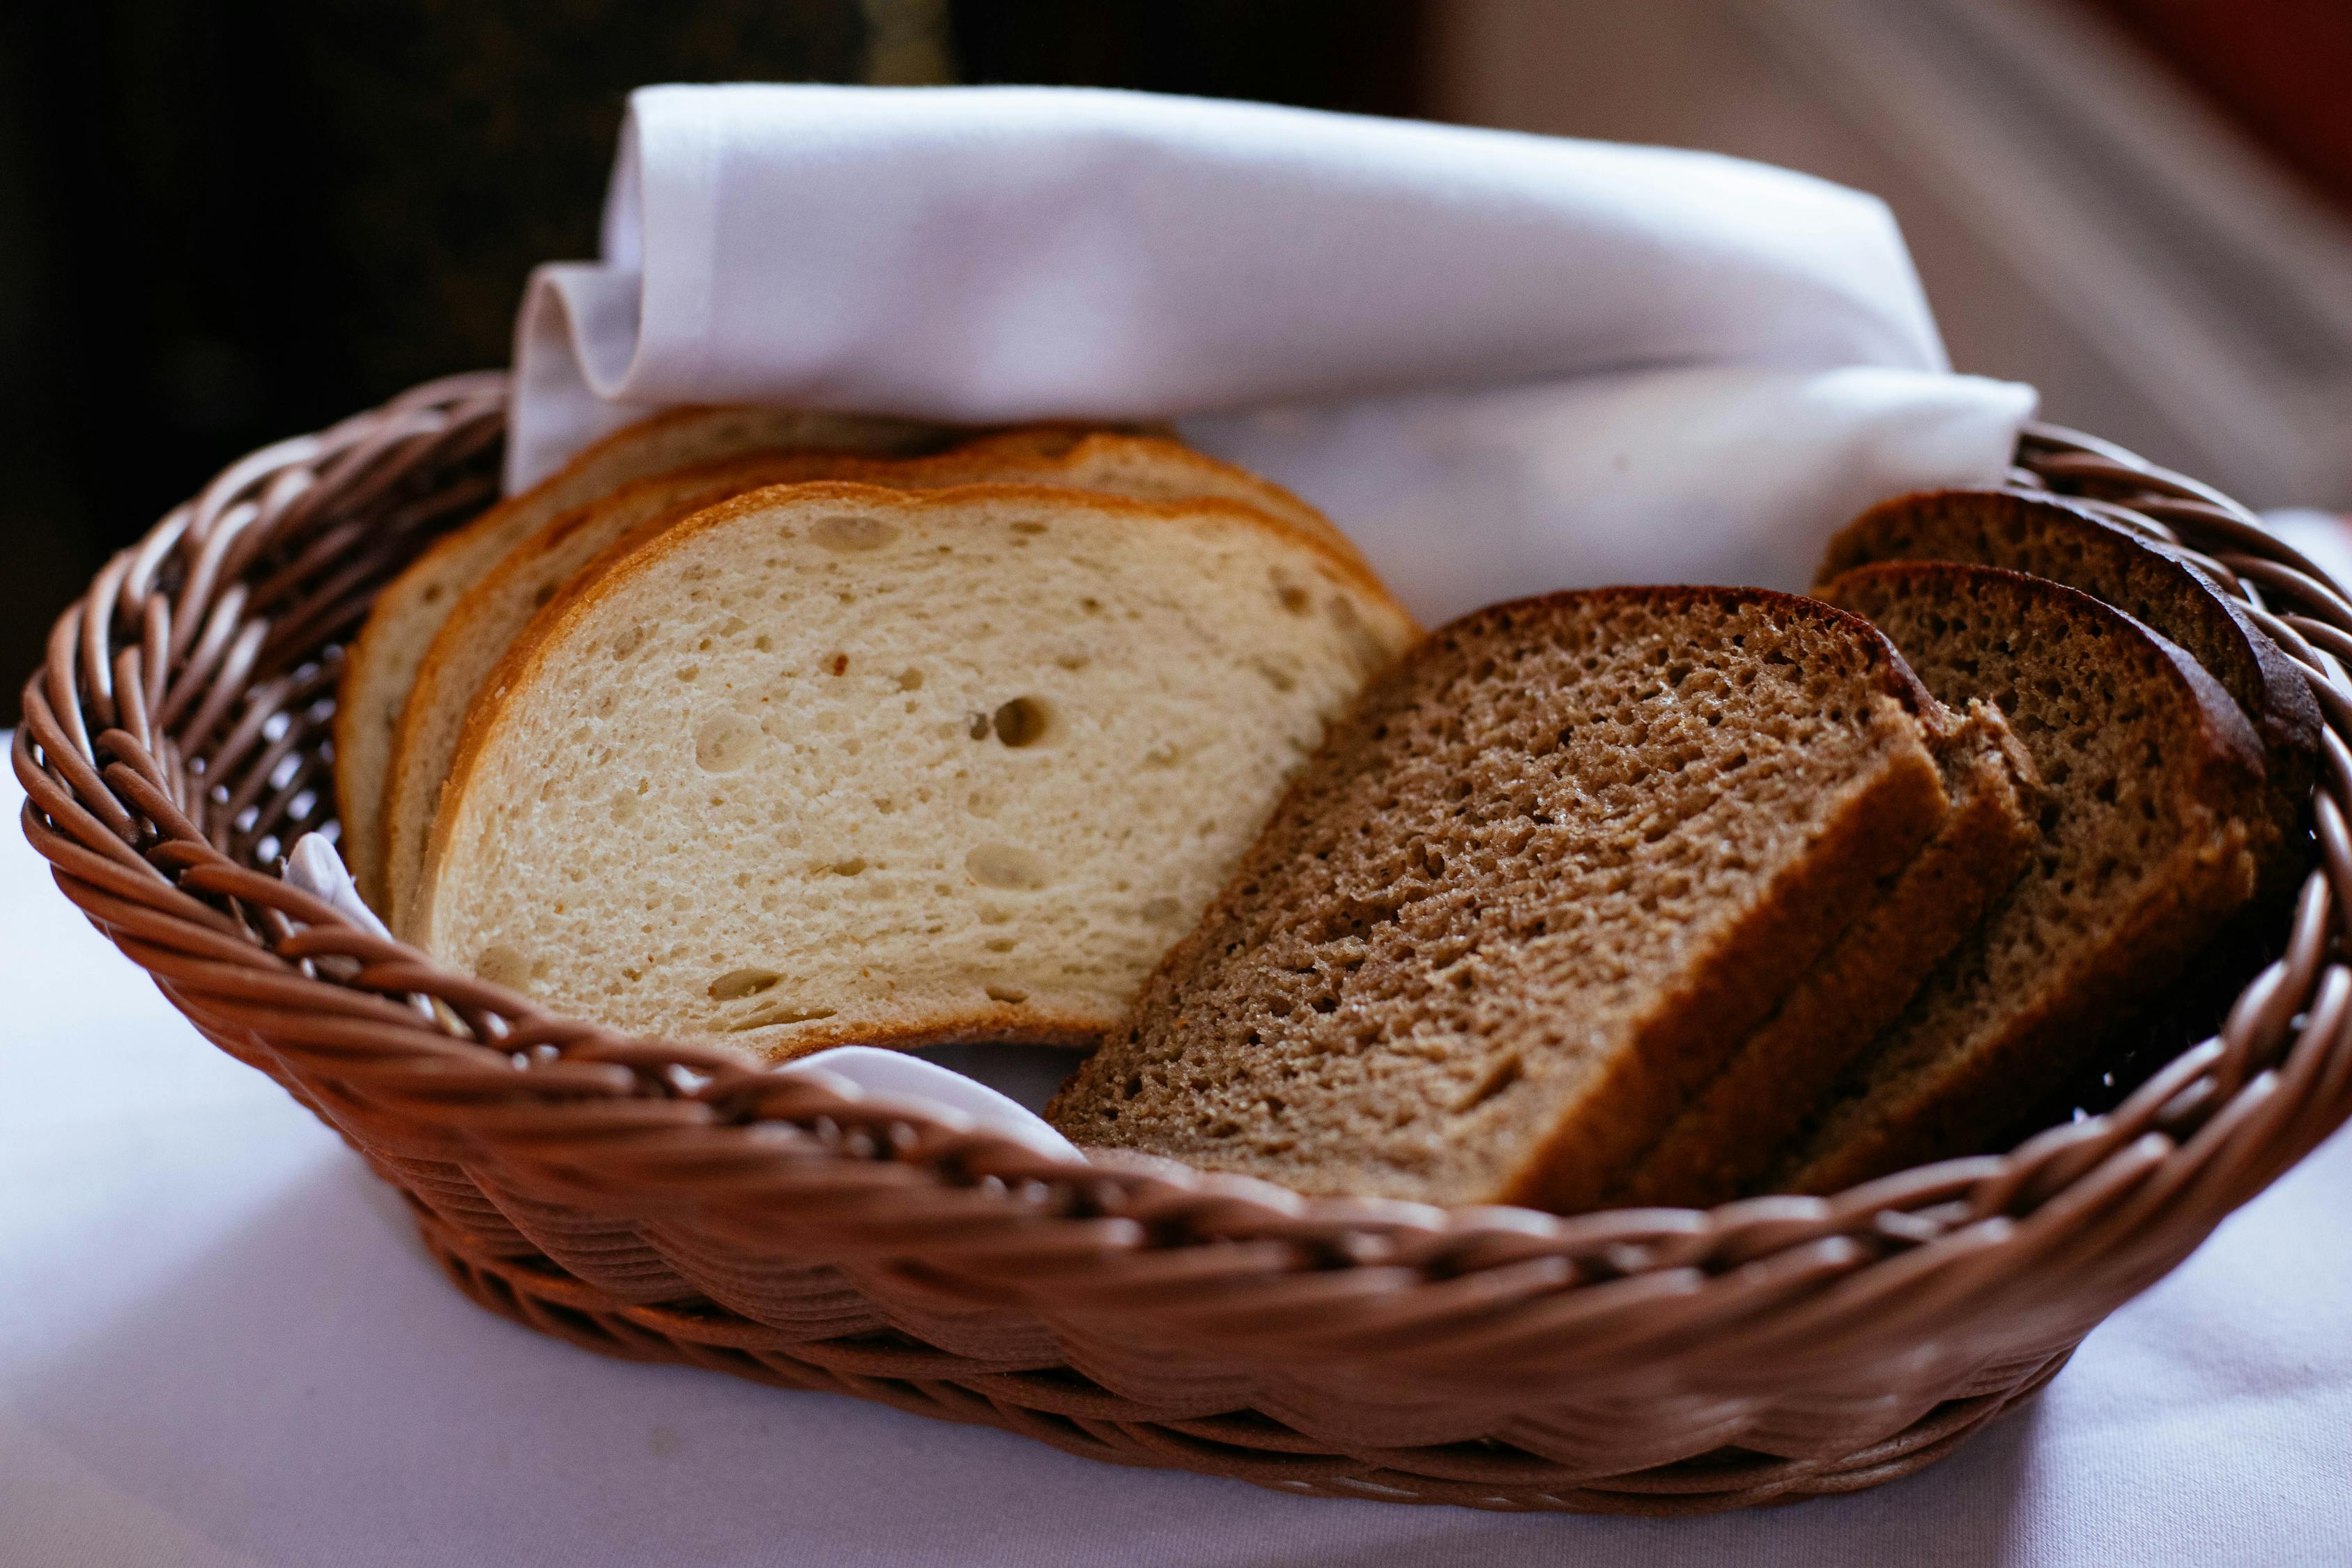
1502,363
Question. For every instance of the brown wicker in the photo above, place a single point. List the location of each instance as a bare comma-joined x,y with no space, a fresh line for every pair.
675,1203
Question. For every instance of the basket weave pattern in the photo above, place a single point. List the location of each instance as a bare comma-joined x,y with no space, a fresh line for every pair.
669,1202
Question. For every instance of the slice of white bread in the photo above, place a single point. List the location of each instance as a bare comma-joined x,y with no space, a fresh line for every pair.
832,762
493,613
382,662
1145,465
1531,894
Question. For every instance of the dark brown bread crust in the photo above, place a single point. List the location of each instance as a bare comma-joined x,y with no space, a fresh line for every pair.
1642,1087
1423,939
2047,536
1727,1137
2153,786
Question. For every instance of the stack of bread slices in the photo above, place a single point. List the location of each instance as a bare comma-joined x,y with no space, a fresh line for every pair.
1668,896
795,731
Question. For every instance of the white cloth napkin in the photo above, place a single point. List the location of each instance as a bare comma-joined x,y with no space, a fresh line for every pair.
1503,363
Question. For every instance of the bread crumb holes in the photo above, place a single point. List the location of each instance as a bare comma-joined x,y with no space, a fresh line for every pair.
1023,721
1008,866
850,533
725,742
738,983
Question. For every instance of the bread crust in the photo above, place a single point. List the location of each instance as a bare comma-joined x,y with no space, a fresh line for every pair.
446,680
455,668
382,662
2050,537
1883,818
1058,451
1343,557
1960,1112
530,662
1915,1097
1881,831
1726,1136
596,582
1003,1026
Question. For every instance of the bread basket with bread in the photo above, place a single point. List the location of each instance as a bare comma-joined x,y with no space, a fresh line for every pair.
682,1201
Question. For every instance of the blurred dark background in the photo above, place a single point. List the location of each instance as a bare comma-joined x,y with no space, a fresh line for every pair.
226,221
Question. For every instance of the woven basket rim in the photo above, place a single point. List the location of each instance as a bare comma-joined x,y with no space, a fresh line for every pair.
162,757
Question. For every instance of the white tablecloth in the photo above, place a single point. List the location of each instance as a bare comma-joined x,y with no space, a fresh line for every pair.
220,1345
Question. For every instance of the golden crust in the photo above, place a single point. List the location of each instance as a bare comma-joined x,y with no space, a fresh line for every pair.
1064,456
592,583
1006,1026
414,779
557,626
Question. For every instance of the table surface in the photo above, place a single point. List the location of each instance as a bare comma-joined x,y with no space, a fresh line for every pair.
222,1345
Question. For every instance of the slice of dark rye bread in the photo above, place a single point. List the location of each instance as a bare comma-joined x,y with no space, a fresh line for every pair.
2154,816
1526,897
2049,536
1727,1136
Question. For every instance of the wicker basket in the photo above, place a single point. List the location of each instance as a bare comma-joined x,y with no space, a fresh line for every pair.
674,1203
